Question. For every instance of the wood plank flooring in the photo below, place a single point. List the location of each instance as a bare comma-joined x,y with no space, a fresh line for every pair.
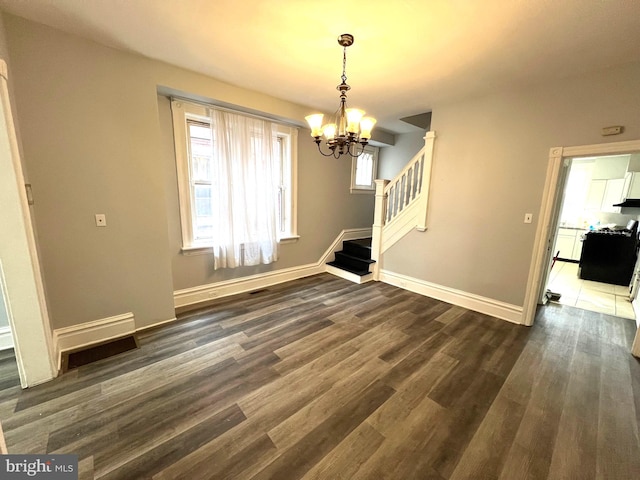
324,379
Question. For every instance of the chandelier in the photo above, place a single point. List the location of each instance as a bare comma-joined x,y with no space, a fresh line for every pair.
350,127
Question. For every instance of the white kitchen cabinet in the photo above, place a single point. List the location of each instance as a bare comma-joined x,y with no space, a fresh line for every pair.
609,168
613,193
595,195
634,186
568,243
603,194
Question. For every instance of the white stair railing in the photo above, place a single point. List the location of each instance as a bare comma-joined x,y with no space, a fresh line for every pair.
405,188
401,204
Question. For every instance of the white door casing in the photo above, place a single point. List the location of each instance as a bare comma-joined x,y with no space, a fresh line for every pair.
20,275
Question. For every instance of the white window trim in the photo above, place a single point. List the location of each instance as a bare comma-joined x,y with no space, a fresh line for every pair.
179,111
359,189
292,147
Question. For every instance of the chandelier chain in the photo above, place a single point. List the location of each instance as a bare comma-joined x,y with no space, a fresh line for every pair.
344,65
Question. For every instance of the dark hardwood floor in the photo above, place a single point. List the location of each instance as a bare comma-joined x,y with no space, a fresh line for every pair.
324,379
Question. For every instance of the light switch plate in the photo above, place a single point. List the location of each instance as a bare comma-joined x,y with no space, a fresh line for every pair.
528,217
101,220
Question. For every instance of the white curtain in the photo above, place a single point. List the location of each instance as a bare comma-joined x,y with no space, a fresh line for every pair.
245,190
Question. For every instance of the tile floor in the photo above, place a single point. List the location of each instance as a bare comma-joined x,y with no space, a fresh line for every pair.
588,295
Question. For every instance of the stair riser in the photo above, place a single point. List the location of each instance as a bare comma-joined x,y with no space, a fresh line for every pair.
356,250
351,262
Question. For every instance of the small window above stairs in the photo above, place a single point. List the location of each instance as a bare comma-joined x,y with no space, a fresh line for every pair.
353,262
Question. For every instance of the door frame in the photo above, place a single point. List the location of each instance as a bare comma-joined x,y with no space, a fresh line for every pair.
562,177
20,274
551,197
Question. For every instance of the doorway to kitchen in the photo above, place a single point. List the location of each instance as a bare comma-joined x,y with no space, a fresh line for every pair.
560,159
596,239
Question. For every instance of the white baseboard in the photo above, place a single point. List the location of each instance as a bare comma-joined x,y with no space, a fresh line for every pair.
477,303
352,277
91,333
203,293
96,332
157,324
6,339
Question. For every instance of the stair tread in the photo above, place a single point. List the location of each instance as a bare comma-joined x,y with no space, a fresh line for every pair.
362,242
353,257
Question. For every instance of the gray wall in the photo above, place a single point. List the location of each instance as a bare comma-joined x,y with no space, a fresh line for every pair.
491,157
96,140
391,160
325,207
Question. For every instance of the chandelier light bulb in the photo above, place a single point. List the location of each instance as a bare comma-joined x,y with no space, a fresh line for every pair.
366,125
315,123
354,116
329,131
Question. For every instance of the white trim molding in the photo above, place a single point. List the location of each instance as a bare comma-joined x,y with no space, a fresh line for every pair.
477,303
349,234
203,293
19,264
91,333
156,324
6,338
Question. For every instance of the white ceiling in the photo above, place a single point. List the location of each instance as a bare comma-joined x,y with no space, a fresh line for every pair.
408,54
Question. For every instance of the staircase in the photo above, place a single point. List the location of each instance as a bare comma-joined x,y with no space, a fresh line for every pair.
353,262
401,205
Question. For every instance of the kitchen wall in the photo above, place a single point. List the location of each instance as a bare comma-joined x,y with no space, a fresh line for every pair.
618,219
594,185
97,139
491,156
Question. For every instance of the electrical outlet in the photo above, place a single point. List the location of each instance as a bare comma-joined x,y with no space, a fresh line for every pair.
101,220
528,217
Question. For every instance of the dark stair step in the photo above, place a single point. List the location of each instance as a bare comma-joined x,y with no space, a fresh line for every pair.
360,248
360,273
355,263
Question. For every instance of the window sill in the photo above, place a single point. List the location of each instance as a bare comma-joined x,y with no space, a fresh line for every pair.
197,250
370,191
289,239
207,250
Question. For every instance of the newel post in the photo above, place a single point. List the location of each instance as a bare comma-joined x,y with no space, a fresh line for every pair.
429,140
378,224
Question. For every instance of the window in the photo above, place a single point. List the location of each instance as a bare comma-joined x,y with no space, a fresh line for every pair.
200,156
197,182
363,171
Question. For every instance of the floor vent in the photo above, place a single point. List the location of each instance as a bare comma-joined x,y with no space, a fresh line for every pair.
77,359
